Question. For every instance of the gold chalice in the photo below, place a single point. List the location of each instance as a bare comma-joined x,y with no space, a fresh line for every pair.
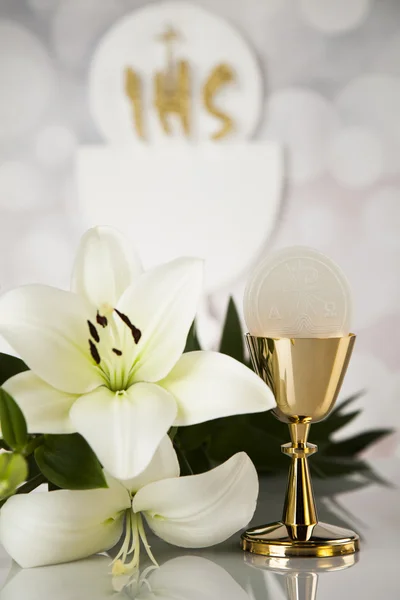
305,375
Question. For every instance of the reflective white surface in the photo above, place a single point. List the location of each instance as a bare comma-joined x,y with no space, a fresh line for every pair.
223,572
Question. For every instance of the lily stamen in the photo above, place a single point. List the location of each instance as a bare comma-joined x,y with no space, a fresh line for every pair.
93,332
94,352
123,551
101,320
134,534
136,333
146,544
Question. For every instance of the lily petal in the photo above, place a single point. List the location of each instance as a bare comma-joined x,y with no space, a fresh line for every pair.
124,428
48,329
210,385
45,409
104,266
52,527
162,305
201,510
163,464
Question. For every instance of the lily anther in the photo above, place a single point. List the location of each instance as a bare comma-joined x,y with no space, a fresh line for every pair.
107,348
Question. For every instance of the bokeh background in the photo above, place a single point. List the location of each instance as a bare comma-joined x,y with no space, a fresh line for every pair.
332,98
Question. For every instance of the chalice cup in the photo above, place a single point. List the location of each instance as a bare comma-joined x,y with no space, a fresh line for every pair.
305,375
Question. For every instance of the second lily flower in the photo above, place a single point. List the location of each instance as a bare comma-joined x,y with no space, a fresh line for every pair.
193,512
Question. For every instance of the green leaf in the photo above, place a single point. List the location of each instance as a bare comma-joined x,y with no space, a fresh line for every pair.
261,435
268,423
198,460
51,487
232,334
33,469
192,341
68,462
10,366
3,445
237,434
193,436
13,472
324,466
13,424
184,465
356,444
339,409
172,433
322,431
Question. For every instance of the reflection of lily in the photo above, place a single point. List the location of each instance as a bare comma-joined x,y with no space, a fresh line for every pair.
107,359
188,578
84,580
185,577
192,512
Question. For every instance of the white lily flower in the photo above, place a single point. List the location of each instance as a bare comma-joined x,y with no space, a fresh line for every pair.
193,511
106,359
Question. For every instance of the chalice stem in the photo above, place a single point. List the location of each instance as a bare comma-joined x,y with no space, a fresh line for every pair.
301,586
299,512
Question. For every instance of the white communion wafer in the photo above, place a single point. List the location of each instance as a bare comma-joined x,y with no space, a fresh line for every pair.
297,292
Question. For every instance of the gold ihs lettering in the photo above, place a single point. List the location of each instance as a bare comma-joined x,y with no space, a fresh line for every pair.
172,96
220,76
172,87
172,93
133,89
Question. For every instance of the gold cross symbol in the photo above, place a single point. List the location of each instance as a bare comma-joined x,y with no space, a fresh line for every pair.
169,36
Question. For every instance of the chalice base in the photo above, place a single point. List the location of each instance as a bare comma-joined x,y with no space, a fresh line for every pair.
325,540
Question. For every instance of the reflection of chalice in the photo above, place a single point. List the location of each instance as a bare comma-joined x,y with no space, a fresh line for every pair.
301,577
305,375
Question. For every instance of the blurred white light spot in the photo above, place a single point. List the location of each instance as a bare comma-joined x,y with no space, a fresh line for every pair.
386,59
318,225
356,157
45,255
382,217
26,77
256,9
290,49
372,271
334,16
43,4
304,122
22,187
77,24
257,17
314,216
367,373
55,146
372,102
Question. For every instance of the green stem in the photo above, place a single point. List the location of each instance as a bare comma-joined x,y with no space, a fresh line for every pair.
183,459
172,432
33,444
32,484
